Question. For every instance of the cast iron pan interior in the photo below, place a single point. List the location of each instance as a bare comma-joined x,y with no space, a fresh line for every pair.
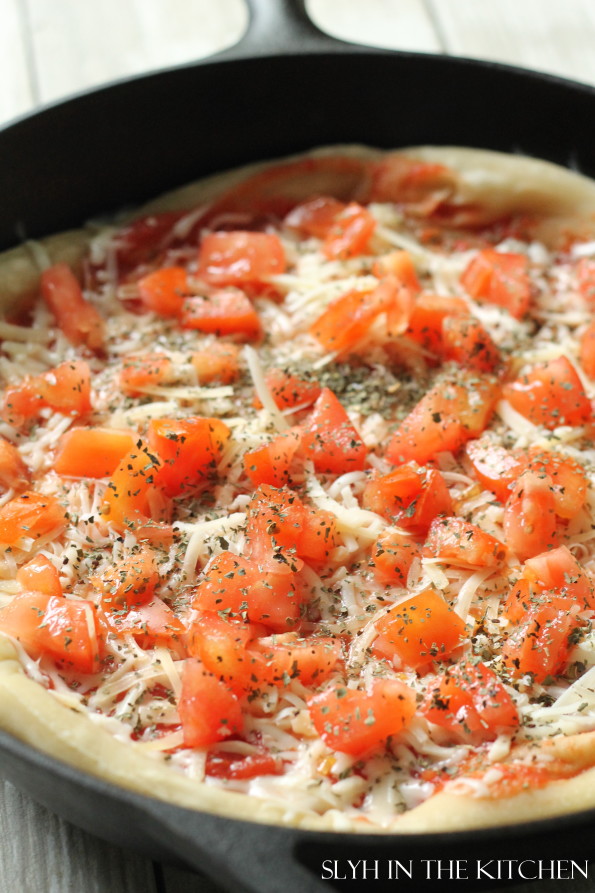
285,88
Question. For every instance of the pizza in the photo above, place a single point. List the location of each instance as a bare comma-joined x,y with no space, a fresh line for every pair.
296,513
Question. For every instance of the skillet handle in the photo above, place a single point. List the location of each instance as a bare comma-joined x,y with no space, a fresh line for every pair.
280,27
241,856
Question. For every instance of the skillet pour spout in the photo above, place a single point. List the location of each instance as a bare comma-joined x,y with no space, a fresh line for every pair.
286,87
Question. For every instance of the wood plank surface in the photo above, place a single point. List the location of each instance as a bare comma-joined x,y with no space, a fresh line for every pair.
41,853
51,48
77,45
557,36
17,93
396,24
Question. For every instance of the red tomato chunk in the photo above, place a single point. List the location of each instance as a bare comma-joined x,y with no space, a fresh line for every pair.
78,319
31,515
359,722
444,419
456,540
420,629
240,258
470,702
225,312
65,629
92,452
209,711
189,451
550,394
499,278
65,389
410,497
330,440
237,587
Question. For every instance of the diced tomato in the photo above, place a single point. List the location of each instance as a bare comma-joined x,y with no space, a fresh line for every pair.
585,273
239,588
92,452
139,374
236,653
132,498
31,515
495,467
458,541
65,629
130,582
530,521
242,766
217,363
348,318
350,233
289,391
310,659
153,625
392,557
587,347
427,318
65,389
272,462
466,342
569,481
318,536
559,570
421,629
164,290
280,527
220,640
188,450
540,645
550,394
315,217
470,702
345,229
40,575
444,419
14,474
276,518
523,595
78,319
410,496
400,265
225,312
501,279
527,595
357,722
240,258
330,440
209,711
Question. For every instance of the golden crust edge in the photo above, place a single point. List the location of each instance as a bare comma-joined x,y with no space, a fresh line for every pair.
31,714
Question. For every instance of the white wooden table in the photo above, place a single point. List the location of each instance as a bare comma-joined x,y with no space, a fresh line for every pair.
51,48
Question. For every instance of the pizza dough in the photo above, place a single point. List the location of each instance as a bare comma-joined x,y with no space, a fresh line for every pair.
502,185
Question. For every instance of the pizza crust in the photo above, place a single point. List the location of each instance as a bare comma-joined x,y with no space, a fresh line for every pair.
505,184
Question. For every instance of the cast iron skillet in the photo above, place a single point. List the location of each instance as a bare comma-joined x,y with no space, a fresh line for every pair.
285,87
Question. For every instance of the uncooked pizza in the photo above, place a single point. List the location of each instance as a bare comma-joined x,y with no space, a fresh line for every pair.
297,507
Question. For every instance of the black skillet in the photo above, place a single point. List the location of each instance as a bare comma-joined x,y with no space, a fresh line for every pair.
285,87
